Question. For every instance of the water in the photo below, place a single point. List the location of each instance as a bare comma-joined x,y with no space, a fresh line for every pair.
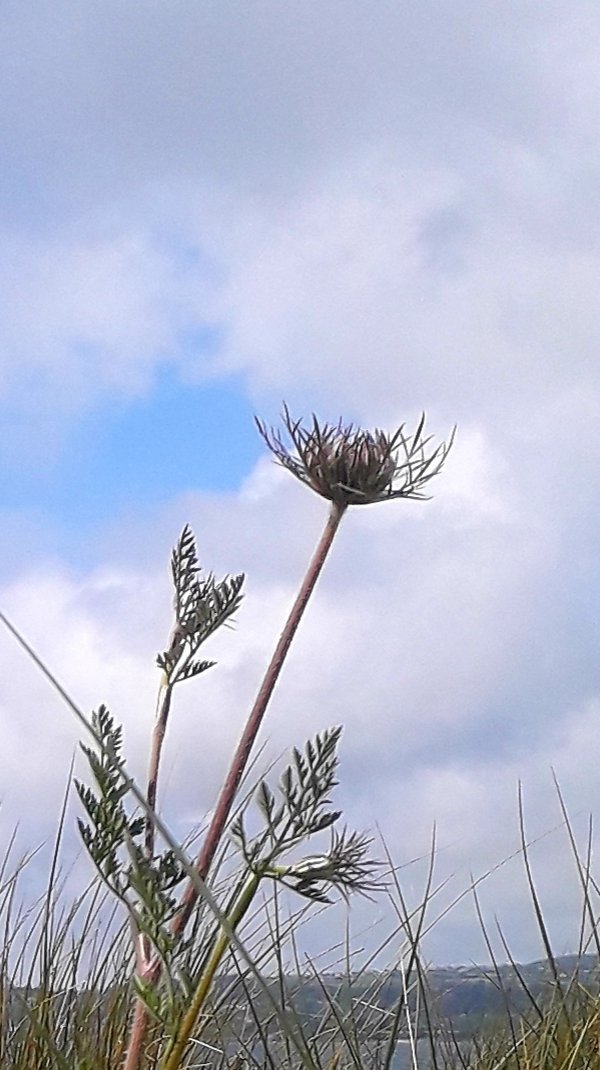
404,1056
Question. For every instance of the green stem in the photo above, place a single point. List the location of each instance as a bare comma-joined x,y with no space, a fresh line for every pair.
176,1051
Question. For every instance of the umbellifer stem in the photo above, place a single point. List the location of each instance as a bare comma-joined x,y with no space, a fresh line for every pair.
244,747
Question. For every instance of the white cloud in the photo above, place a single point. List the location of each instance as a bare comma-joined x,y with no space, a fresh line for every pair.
85,312
382,288
387,212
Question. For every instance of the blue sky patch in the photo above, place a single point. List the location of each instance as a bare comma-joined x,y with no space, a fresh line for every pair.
132,452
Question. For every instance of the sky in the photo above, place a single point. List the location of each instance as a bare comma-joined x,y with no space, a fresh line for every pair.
366,210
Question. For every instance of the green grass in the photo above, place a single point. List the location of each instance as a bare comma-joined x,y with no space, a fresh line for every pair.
66,988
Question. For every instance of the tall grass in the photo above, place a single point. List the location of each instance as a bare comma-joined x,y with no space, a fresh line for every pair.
65,983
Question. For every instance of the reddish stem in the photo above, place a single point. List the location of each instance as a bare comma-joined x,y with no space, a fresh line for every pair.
137,1035
244,748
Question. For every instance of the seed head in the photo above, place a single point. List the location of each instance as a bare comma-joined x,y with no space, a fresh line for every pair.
350,466
346,867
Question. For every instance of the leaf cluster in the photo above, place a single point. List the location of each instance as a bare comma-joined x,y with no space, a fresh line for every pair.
201,604
306,784
299,808
114,840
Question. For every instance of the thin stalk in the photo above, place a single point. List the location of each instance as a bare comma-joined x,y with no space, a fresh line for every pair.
244,748
237,768
137,1036
144,968
158,738
176,1051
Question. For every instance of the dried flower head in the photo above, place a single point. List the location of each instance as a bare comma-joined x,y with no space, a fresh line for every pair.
350,466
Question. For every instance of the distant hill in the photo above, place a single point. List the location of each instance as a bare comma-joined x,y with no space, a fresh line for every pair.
465,997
